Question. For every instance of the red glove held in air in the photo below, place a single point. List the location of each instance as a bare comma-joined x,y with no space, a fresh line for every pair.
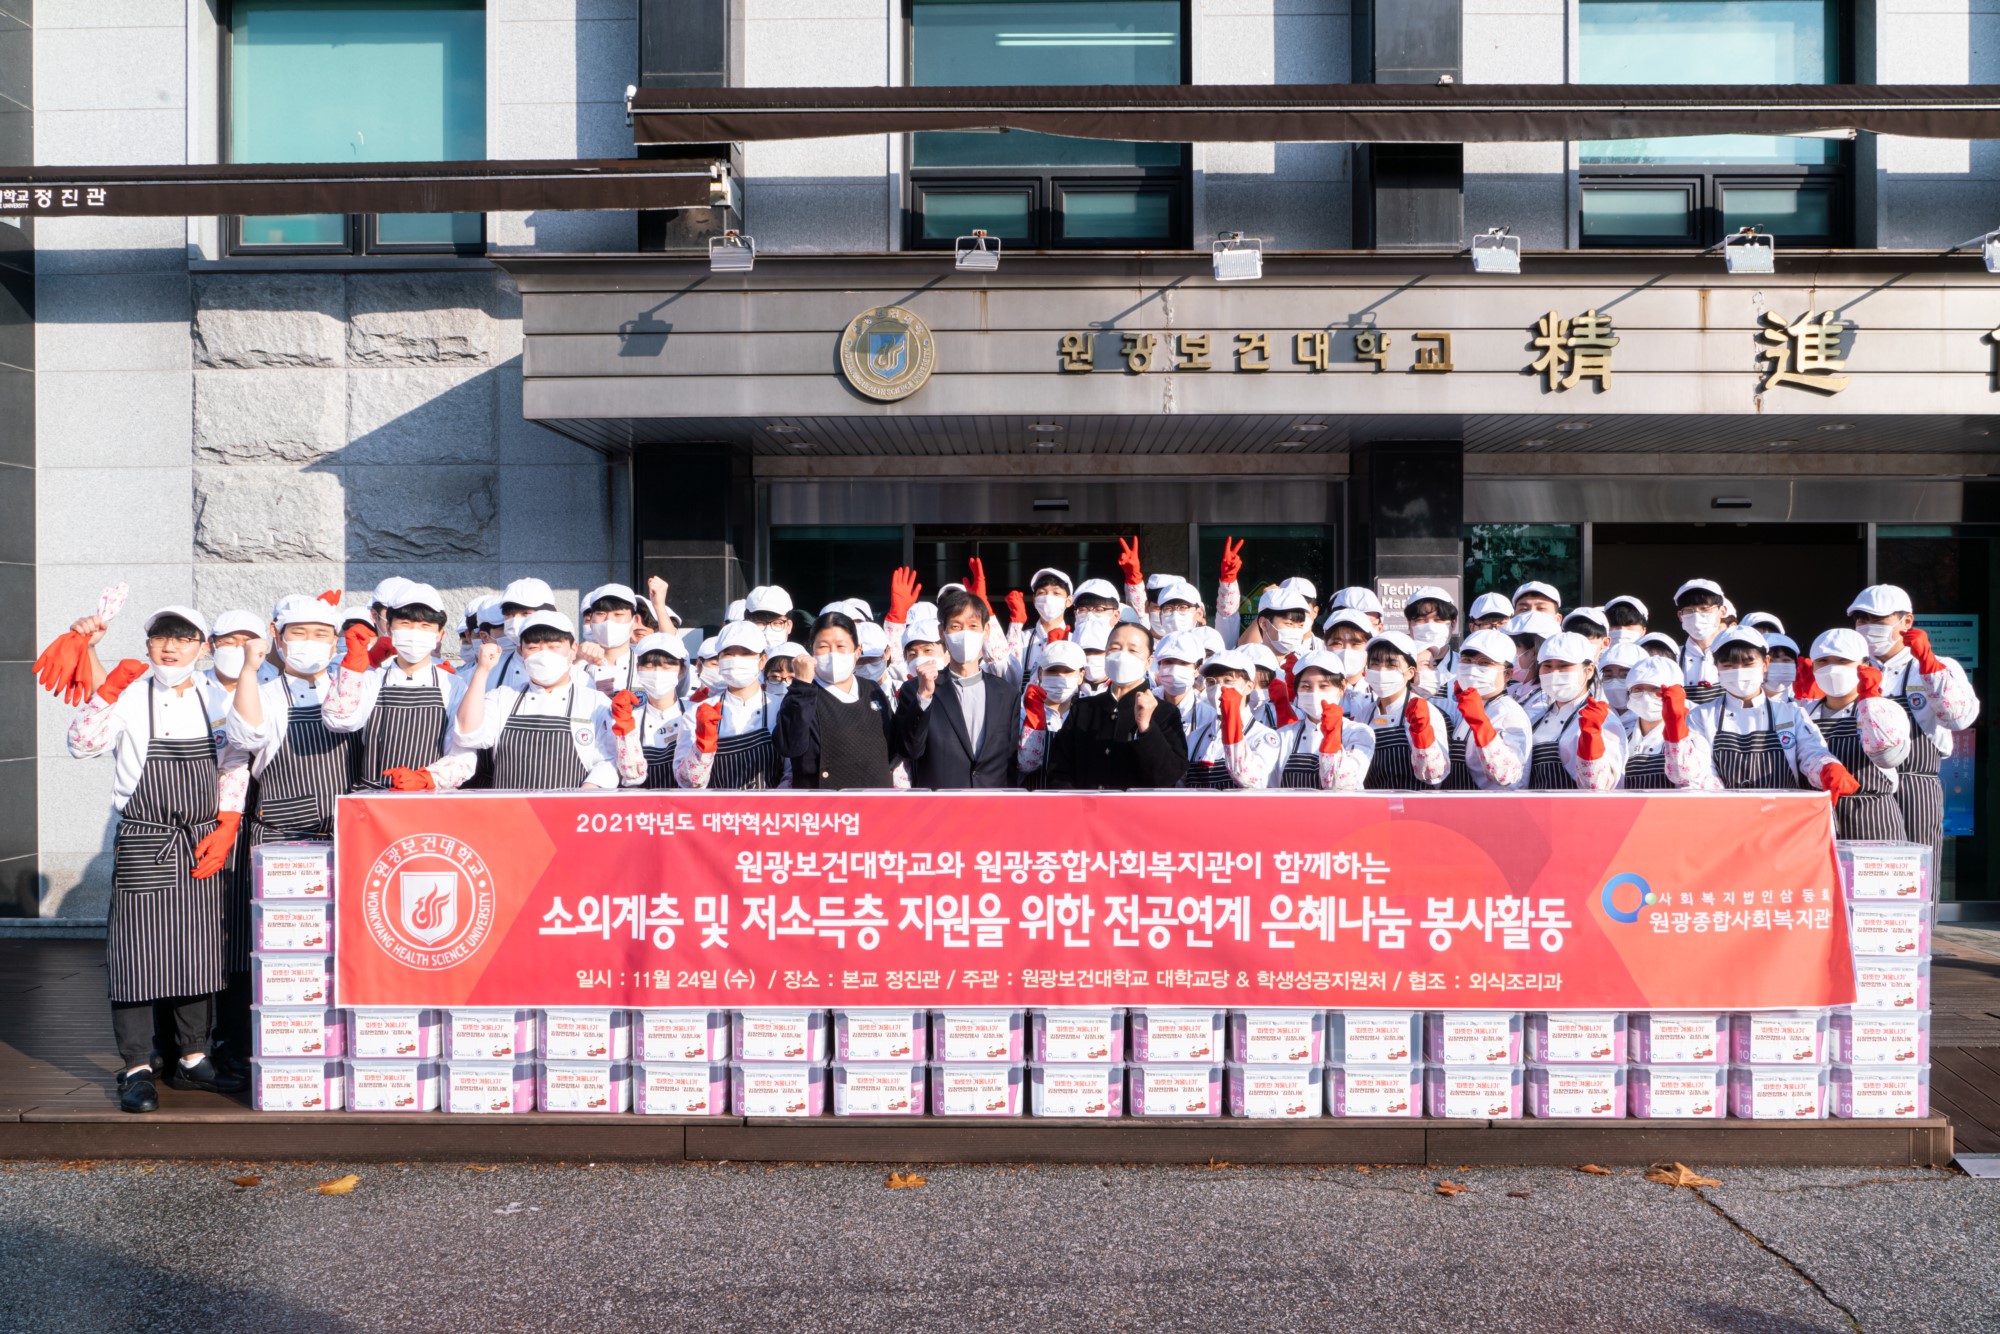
1871,682
358,638
1291,666
1232,559
1472,708
622,721
1590,730
1035,707
1232,716
1281,703
331,597
1017,608
1329,725
1128,562
1417,717
904,590
1918,642
59,666
212,853
708,726
975,582
410,780
115,681
379,652
1837,781
1059,634
1805,685
1674,713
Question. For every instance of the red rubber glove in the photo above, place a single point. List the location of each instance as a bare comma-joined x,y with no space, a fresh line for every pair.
410,780
58,666
1417,717
1871,682
212,853
1291,666
1281,703
379,652
1472,708
1128,562
622,721
115,681
904,590
698,694
358,638
1590,730
1837,781
1017,608
1805,685
1674,713
1232,559
1035,707
1329,725
1232,716
331,597
1918,642
975,582
708,726
1059,634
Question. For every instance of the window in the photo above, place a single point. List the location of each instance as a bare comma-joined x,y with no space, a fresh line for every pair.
357,81
1693,190
1046,191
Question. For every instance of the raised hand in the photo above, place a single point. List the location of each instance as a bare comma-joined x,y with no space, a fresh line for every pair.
1805,685
1472,708
1590,729
1281,703
975,582
708,726
1918,642
1232,559
1674,712
1871,681
622,705
904,590
1017,608
1232,716
1035,707
358,638
1330,718
1128,562
115,681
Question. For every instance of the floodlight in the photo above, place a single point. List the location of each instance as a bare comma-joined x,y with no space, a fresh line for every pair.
1750,251
1497,251
1237,258
731,253
977,251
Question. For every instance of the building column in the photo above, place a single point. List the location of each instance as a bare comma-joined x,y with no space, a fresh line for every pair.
1405,513
694,524
20,860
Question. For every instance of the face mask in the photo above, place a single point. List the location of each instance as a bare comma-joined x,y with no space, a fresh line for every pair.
1479,677
774,635
310,656
1352,662
1837,681
871,669
1060,688
1122,668
776,689
1176,621
414,645
1701,625
737,672
468,653
609,633
1562,687
1617,694
711,676
513,625
1156,621
1176,677
964,645
833,668
1883,640
1051,606
659,683
1308,704
1786,673
229,661
1742,682
1093,667
1431,634
1627,634
546,667
1288,638
172,676
1107,619
1385,684
1647,707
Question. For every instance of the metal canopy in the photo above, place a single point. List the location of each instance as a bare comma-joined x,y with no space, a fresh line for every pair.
1325,113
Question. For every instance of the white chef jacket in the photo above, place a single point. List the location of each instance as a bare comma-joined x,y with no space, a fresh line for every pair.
1940,704
278,691
759,712
121,728
590,725
1343,771
1687,760
351,700
1502,766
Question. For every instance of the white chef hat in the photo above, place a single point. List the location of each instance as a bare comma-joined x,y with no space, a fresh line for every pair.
788,649
1774,639
922,611
733,612
1880,600
1490,604
1765,621
1211,638
1432,593
1036,578
618,591
356,616
549,620
304,609
1062,653
1092,635
1397,640
767,598
1566,647
490,615
1539,589
1259,656
387,592
1728,609
1658,673
1180,590
1490,643
740,634
923,631
236,620
1098,588
671,645
1353,616
707,650
1627,655
188,614
1626,599
1324,661
859,611
1594,615
1665,641
870,640
1533,624
531,593
1697,586
1155,582
1279,598
1845,644
1741,634
1302,586
1230,660
413,594
1359,598
1182,646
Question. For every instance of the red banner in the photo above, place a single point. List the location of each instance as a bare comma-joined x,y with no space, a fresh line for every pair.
1530,901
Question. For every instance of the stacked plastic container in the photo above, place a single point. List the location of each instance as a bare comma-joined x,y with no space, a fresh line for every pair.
1375,1063
1277,1063
1679,1065
1474,1063
1176,1066
297,1037
977,1061
779,1066
584,1060
489,1061
1576,1064
1881,1043
878,1062
1078,1065
680,1062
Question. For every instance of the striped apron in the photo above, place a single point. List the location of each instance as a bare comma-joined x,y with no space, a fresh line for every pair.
1546,772
1302,765
482,761
536,754
1392,769
165,934
1209,774
1872,812
407,730
1459,779
748,760
1647,773
1698,694
659,759
1919,792
1755,761
291,800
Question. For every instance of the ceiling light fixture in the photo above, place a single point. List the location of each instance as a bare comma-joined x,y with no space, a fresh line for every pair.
982,254
1497,250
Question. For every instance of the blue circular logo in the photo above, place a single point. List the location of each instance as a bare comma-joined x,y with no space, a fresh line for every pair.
1610,897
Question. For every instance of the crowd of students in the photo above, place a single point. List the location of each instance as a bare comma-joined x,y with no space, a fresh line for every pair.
264,720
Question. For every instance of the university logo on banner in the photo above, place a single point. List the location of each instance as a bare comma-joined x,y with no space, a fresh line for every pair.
428,901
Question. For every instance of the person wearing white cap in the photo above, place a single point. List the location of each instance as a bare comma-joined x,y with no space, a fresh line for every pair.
610,623
1093,639
1627,617
1782,673
404,707
1306,589
769,608
178,786
1176,669
1931,689
1096,603
725,741
1322,749
707,670
1490,611
1491,737
784,666
1754,742
1698,603
1284,625
1045,705
557,734
1528,630
1180,606
1537,596
229,639
1411,750
1652,762
1347,632
733,612
659,661
482,623
388,593
1050,591
1573,748
521,599
1868,734
1363,600
1729,617
1614,672
874,663
1764,622
1432,618
1228,747
1589,622
954,726
836,729
1660,645
1270,685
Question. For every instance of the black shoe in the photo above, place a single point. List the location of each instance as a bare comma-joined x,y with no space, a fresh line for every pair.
204,1076
158,1063
231,1066
137,1093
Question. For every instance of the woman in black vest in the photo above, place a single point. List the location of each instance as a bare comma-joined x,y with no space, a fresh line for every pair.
835,727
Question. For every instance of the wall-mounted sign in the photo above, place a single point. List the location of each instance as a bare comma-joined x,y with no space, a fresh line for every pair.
887,353
1395,595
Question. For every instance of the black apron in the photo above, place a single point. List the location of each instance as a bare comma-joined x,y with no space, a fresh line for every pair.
1647,773
749,760
1546,772
1393,769
1459,779
291,800
165,934
659,759
1919,791
536,754
1752,762
1698,694
1872,812
1302,765
407,730
1211,775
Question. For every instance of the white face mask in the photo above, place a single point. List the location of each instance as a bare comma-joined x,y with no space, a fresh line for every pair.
776,633
1431,634
229,661
871,669
1353,662
1837,680
1701,625
1176,621
1617,694
1308,704
414,645
1783,674
777,689
310,657
1646,706
1107,619
1480,677
1286,639
711,675
1742,682
1156,621
659,683
1051,606
1059,686
738,671
608,633
833,668
1627,634
1385,684
546,667
172,676
964,645
1122,668
1175,677
1883,640
468,652
1562,687
1093,667
512,625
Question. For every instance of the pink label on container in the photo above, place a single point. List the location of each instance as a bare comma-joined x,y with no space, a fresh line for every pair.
871,1035
1376,1091
1884,872
297,1086
1890,929
1175,1035
778,1090
1889,1037
1666,1092
285,872
1079,1091
887,1090
770,1036
1891,1093
1176,1091
1077,1037
1776,1093
1275,1092
585,1086
977,1036
1590,1092
286,926
307,1032
305,979
976,1090
1778,1038
678,1035
498,1088
1476,1093
1585,1039
1377,1039
680,1090
1892,984
1684,1039
392,1086
1467,1038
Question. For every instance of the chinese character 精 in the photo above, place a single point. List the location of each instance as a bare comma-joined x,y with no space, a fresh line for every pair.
1573,350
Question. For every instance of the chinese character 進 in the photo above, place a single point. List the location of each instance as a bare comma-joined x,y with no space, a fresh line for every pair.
1581,347
1138,350
1435,358
1372,346
1076,352
1804,352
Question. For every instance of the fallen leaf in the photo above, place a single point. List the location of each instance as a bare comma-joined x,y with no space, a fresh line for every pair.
905,1181
475,1167
1215,1166
1678,1174
1451,1188
246,1182
1518,1194
339,1186
1594,1170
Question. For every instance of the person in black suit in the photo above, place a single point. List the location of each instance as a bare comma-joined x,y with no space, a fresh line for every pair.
955,728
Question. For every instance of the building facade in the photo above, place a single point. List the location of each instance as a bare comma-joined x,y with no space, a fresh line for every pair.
221,410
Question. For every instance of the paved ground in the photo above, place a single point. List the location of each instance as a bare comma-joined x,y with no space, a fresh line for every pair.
178,1246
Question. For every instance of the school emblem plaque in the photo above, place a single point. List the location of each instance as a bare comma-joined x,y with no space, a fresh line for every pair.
887,353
